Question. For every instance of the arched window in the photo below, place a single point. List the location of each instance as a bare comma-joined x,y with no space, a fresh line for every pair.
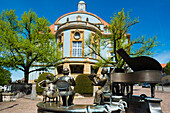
67,19
87,19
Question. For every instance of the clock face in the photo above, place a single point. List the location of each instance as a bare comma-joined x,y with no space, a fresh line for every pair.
77,36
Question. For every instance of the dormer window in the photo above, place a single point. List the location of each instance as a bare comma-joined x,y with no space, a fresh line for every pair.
78,18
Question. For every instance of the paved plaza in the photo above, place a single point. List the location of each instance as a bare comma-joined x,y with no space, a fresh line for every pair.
23,105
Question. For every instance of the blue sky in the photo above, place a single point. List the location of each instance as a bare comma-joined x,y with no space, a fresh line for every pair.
154,17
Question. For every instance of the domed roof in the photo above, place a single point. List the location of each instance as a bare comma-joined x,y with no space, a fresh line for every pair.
81,2
52,27
84,12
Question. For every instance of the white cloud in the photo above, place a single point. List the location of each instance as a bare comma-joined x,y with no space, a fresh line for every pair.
163,57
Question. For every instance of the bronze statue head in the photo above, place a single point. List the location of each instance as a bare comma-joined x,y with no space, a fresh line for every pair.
48,76
104,71
65,71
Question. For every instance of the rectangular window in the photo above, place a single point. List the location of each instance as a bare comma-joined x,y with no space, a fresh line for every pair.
77,49
94,56
108,43
61,49
105,30
112,55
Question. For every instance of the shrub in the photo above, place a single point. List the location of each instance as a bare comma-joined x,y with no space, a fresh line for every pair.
41,77
83,84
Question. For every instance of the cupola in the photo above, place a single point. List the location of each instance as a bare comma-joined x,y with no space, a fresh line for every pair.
81,6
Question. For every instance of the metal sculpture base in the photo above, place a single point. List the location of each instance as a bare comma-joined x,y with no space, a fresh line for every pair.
136,104
146,105
52,107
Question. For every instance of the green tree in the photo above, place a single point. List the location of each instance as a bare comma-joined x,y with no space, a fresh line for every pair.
167,68
26,41
120,24
5,76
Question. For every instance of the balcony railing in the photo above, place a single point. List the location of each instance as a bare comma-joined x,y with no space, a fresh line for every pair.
78,24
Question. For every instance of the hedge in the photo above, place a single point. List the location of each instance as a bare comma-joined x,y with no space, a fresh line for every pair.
83,84
41,77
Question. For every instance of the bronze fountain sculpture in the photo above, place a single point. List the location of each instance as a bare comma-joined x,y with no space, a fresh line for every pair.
50,90
117,87
60,82
104,82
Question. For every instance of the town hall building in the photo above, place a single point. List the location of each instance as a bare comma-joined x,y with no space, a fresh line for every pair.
72,30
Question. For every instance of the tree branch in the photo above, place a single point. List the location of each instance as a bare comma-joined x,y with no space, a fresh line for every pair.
20,68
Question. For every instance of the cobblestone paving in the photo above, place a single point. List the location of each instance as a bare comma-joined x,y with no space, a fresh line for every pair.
23,105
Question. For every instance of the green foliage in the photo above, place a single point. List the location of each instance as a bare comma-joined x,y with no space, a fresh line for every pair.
5,76
157,85
41,77
83,84
167,68
119,27
27,41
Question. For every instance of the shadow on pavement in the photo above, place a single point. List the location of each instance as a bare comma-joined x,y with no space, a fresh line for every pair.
9,107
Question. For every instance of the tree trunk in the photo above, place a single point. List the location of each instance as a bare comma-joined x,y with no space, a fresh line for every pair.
26,76
114,49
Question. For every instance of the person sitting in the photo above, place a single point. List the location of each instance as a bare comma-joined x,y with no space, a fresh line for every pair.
71,82
49,89
104,82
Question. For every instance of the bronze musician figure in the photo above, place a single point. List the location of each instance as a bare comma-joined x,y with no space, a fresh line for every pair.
71,82
50,89
104,82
